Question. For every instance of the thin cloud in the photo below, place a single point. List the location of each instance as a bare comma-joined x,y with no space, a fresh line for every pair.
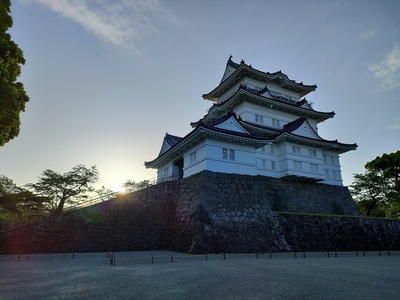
396,125
121,22
368,34
388,70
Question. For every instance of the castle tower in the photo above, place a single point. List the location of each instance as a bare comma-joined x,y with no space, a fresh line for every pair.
259,124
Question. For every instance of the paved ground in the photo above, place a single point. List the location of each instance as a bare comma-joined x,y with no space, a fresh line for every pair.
152,275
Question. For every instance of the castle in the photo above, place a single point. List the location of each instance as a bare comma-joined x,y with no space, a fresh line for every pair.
259,124
255,176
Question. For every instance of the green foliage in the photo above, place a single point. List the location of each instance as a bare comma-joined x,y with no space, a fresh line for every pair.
132,186
106,193
12,94
377,191
67,188
18,203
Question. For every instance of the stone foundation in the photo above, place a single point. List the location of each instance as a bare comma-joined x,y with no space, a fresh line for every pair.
214,212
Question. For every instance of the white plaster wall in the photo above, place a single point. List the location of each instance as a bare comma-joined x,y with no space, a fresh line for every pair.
331,165
247,112
210,158
164,172
199,164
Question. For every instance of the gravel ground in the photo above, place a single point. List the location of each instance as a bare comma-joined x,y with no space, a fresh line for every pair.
171,275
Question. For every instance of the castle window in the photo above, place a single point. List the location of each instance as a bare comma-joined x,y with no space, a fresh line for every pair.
259,119
272,165
312,153
228,154
224,153
276,123
298,165
192,157
296,149
314,168
231,154
272,149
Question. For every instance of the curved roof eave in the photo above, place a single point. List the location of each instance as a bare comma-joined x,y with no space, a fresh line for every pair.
195,136
332,145
224,106
266,77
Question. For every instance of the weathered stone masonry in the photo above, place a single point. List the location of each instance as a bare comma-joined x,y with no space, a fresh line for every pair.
215,212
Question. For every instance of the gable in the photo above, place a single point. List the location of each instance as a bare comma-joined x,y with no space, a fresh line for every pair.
168,142
306,130
231,124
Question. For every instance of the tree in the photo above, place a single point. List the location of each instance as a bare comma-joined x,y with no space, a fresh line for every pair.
17,202
377,191
70,187
132,186
106,193
12,94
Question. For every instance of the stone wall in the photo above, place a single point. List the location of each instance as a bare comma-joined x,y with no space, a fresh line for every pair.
214,212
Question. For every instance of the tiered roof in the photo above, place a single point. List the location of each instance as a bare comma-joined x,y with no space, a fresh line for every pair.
222,123
245,132
301,108
242,70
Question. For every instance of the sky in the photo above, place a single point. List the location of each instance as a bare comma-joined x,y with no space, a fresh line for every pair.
107,79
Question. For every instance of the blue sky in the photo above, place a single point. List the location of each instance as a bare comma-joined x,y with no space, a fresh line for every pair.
107,79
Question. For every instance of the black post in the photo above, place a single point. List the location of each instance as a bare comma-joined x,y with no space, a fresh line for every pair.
304,255
257,255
